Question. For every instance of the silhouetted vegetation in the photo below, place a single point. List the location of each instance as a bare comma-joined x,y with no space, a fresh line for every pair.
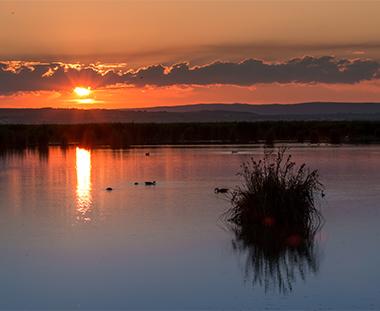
336,137
274,192
269,138
301,137
274,219
124,135
314,137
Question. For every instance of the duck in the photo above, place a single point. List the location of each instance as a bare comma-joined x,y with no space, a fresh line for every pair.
222,190
109,189
136,183
150,183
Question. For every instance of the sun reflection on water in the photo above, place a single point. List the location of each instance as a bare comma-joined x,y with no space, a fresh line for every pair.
83,166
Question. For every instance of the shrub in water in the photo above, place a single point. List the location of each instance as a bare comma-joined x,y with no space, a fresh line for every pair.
276,192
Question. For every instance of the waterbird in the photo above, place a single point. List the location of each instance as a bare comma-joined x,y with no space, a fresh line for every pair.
222,190
147,154
136,183
150,183
109,189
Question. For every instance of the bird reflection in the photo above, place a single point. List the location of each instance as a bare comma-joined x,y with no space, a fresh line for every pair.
83,166
273,256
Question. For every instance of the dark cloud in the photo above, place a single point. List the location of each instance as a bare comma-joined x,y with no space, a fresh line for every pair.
23,77
31,77
308,70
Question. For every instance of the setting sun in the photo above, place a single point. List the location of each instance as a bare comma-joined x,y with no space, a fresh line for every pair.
81,91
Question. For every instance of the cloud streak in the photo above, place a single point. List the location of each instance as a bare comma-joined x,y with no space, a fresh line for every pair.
33,77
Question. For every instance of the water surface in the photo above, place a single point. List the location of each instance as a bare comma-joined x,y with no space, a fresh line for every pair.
68,243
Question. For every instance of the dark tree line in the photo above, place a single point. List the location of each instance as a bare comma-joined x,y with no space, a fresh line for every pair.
124,135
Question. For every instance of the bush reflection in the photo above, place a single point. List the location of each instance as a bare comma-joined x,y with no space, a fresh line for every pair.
273,256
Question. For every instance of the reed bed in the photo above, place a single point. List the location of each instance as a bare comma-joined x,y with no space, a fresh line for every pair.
274,192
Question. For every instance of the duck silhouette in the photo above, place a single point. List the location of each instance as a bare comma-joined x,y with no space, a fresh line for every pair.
150,183
109,189
221,190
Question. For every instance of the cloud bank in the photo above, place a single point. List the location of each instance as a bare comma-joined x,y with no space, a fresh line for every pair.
18,77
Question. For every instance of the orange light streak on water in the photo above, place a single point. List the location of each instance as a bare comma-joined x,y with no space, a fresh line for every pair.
83,166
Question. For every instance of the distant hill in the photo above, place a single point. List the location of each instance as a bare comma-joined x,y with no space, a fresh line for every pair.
314,108
196,113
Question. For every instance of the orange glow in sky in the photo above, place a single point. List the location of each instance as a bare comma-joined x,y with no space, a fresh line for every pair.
85,101
187,52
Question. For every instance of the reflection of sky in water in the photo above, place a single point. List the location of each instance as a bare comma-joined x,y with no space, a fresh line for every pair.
164,247
83,166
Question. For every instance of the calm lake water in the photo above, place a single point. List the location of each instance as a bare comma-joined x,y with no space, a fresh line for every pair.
67,243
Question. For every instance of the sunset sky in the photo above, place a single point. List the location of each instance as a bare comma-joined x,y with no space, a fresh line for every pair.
136,54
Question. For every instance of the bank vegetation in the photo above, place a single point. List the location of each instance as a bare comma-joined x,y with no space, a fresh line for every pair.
125,135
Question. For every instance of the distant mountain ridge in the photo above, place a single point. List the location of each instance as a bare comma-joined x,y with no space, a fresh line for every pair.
196,113
311,108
